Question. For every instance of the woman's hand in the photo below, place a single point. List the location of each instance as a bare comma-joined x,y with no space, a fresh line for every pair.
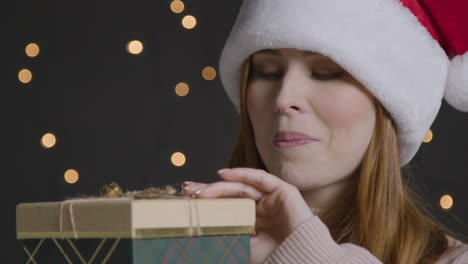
280,207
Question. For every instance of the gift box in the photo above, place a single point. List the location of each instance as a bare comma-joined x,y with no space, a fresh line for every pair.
121,230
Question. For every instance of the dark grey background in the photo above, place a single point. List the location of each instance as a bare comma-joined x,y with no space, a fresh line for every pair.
117,118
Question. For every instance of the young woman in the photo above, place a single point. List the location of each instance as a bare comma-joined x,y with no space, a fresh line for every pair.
335,98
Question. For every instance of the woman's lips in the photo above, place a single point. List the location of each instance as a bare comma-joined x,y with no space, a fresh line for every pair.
291,139
292,144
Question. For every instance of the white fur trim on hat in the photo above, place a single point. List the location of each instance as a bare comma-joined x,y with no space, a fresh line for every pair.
380,42
456,92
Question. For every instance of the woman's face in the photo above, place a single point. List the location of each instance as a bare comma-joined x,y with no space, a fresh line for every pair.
299,91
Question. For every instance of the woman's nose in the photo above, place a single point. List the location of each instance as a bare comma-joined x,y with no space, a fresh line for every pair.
290,97
286,108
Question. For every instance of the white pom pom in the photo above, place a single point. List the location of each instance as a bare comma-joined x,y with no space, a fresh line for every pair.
456,91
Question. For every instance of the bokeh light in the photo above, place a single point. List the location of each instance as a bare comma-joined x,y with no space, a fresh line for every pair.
178,159
177,6
25,76
446,202
71,176
48,140
32,50
209,73
428,137
189,22
182,89
134,47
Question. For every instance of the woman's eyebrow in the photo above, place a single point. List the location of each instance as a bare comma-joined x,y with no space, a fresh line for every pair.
278,53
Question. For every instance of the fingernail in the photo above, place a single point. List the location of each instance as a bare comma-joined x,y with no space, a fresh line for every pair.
192,187
188,185
201,189
223,170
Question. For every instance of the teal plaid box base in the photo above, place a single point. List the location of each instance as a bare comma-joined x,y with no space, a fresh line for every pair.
195,250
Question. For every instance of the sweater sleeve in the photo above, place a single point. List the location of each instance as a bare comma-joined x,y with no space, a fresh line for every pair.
460,258
312,242
457,256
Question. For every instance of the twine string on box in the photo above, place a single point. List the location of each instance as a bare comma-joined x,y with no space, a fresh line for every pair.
72,220
112,191
60,220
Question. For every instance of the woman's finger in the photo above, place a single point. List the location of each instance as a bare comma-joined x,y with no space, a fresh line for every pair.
229,189
258,178
262,223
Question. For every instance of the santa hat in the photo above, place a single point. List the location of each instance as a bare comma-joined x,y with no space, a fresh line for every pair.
409,54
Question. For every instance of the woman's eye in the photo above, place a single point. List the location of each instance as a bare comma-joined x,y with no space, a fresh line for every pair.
327,76
267,75
316,75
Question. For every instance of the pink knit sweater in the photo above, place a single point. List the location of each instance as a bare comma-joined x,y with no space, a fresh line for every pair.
311,242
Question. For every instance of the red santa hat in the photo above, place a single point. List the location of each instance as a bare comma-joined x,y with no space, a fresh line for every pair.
410,54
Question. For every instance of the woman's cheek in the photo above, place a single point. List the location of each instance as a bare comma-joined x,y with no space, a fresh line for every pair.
351,118
345,108
256,100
